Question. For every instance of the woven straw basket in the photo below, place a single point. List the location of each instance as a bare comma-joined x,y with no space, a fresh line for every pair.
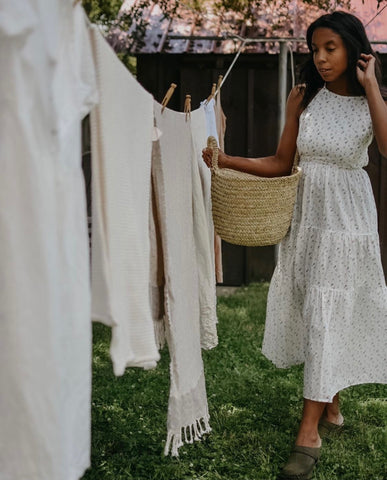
250,210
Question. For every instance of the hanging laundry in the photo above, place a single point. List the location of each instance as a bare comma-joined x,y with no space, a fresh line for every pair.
211,125
172,175
203,248
122,129
208,129
45,328
157,278
221,129
203,231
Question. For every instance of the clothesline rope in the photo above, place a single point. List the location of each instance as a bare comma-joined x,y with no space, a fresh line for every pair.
373,18
230,67
292,69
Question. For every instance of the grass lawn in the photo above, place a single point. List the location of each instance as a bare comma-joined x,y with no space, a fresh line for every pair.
254,407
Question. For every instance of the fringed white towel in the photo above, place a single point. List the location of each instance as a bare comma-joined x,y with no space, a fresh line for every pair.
122,127
188,417
204,229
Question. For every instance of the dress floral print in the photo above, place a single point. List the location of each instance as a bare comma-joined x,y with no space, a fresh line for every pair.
327,303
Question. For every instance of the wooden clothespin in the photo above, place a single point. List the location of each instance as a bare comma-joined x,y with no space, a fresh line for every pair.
220,79
187,107
168,96
213,90
75,2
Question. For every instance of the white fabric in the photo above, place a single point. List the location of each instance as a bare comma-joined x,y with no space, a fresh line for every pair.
45,328
221,129
17,19
122,129
209,110
172,174
203,231
327,304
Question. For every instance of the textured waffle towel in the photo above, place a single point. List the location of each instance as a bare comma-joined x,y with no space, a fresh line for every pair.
172,174
122,127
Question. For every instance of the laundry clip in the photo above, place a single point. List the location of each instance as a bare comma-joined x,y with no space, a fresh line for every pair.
220,80
75,2
168,96
187,107
212,94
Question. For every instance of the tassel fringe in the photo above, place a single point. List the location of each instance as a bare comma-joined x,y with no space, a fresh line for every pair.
187,434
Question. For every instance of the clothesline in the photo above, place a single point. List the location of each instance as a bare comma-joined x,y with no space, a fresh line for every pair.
245,41
373,18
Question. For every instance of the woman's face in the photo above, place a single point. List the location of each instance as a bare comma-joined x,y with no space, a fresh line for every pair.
329,54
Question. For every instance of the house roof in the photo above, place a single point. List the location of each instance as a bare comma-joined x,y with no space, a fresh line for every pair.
187,31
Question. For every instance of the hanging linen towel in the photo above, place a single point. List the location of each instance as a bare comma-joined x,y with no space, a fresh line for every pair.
122,127
188,417
203,230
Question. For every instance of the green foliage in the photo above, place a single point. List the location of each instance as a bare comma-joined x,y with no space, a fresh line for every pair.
102,11
255,409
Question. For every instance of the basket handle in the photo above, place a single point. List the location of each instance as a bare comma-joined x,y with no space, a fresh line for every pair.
213,144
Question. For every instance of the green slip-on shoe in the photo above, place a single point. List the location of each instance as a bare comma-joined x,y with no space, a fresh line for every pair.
301,463
328,429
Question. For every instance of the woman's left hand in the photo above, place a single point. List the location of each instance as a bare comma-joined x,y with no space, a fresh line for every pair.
365,69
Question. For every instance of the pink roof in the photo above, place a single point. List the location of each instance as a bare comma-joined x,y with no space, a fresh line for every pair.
170,35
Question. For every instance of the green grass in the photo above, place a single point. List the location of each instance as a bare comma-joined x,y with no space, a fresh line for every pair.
254,407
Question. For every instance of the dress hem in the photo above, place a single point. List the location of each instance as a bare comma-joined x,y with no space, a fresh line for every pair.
328,398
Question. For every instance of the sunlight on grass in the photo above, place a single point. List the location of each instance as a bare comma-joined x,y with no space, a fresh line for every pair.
255,409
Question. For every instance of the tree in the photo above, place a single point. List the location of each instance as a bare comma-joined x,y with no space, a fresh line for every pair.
133,23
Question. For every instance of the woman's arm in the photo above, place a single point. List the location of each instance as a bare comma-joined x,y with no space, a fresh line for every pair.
275,165
377,106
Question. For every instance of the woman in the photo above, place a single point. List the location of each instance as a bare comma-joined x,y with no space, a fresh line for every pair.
327,303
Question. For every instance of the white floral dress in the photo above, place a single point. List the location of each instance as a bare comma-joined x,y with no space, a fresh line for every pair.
327,303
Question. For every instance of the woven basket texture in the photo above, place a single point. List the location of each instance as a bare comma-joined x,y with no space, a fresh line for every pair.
250,210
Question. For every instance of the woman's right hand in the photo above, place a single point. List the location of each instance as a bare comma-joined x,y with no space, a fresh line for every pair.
207,157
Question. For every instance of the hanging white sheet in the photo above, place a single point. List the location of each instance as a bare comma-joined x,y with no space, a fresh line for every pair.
45,329
122,128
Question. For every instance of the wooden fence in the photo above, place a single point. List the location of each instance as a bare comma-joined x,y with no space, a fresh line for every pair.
249,99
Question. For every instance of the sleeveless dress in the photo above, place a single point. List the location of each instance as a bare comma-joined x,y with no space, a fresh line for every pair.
327,302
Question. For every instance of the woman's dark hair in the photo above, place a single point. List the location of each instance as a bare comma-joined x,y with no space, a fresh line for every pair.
353,34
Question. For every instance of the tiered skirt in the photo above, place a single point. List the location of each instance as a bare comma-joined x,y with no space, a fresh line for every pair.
327,302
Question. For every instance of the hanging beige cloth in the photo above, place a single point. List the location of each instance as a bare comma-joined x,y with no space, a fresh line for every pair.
221,129
157,278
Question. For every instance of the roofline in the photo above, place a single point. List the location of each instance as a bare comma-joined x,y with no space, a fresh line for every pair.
250,40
